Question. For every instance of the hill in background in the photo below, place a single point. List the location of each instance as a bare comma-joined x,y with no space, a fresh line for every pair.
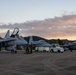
36,38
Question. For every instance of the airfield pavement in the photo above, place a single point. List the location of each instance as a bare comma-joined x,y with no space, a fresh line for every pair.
38,63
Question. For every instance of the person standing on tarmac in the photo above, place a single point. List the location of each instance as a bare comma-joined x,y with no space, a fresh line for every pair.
70,48
27,49
31,48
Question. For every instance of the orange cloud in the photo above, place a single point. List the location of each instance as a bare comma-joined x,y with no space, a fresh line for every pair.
58,27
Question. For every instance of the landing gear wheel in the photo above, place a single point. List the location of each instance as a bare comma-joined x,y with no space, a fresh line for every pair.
52,51
15,51
58,51
12,51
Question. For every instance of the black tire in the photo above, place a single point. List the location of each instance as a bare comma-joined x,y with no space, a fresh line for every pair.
12,51
58,51
52,51
15,51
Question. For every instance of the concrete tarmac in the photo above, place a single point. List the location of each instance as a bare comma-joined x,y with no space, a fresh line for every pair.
38,63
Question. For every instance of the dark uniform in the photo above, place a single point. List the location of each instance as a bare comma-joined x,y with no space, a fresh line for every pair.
30,46
27,49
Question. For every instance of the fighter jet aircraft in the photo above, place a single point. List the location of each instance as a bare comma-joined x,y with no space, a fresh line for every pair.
39,42
11,42
39,45
67,44
8,43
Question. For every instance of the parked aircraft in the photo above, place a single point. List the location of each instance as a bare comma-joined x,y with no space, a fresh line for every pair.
11,42
8,42
67,44
39,42
39,45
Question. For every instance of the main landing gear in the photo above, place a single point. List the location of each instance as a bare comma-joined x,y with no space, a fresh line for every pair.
13,52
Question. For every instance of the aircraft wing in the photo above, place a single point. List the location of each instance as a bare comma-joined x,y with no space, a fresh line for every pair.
7,40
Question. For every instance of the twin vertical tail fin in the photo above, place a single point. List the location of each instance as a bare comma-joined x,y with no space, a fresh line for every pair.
31,40
7,36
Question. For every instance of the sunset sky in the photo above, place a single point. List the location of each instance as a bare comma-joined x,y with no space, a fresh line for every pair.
51,19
